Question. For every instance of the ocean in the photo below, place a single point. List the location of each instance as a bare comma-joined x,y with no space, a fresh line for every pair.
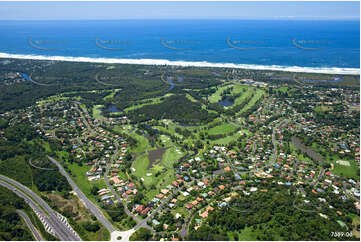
298,45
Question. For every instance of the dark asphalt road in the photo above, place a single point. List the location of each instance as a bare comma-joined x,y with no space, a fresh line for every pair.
87,203
38,204
30,225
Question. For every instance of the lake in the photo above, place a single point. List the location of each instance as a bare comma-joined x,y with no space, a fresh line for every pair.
226,102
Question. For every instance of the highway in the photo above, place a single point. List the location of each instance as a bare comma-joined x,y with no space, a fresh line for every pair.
30,225
87,203
61,230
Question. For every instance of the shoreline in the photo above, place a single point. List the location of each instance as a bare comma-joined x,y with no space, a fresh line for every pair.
159,62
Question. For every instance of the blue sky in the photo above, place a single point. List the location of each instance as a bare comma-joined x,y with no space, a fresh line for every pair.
178,10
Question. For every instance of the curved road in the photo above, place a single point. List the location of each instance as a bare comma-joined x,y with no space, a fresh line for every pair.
61,230
30,225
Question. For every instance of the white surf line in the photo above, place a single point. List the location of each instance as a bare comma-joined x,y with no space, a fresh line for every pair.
323,70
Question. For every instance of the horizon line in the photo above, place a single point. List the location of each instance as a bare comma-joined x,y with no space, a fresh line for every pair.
218,18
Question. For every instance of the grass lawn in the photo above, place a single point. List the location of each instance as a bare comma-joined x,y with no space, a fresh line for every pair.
237,88
356,222
171,156
299,154
63,155
142,142
322,108
161,181
55,98
282,89
112,94
140,164
225,140
216,97
244,96
351,171
96,112
80,178
191,98
259,93
149,101
181,210
225,128
165,140
101,235
170,129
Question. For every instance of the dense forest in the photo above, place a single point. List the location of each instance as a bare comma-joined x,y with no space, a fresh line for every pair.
11,225
270,216
176,107
22,145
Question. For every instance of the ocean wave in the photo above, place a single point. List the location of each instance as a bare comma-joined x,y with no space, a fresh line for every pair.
324,70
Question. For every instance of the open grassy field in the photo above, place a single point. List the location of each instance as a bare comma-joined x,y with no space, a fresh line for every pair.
351,171
172,155
97,112
157,177
247,93
299,154
226,140
80,178
55,98
165,140
322,108
190,98
170,129
149,101
356,223
142,142
112,94
216,97
282,89
259,93
225,128
140,164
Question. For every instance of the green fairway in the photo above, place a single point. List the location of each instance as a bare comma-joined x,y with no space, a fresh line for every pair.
226,140
149,101
112,94
259,94
225,128
247,93
97,111
142,143
171,156
216,97
158,176
140,165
